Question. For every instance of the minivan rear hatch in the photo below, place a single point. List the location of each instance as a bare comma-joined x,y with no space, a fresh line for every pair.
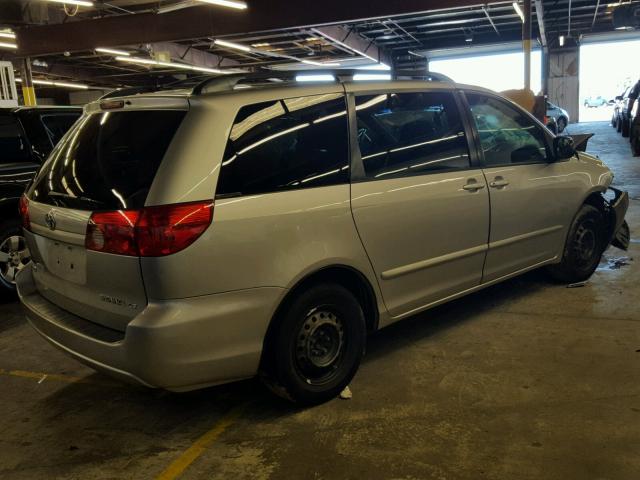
106,163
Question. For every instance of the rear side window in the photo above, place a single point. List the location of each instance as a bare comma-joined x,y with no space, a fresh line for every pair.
108,161
287,144
404,134
13,146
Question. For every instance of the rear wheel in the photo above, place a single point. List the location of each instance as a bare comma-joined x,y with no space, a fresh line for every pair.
316,347
14,255
584,247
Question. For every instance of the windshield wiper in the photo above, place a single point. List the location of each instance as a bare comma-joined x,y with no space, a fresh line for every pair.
82,199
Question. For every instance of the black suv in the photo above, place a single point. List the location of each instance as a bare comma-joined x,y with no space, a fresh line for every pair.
27,136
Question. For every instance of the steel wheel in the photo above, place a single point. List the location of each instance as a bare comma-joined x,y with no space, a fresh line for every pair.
585,244
14,256
320,346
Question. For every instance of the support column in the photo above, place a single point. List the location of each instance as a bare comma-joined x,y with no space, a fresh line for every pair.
28,92
526,44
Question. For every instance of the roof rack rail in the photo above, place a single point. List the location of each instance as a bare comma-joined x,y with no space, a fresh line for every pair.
220,83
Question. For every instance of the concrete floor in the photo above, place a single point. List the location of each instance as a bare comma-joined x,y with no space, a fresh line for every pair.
525,380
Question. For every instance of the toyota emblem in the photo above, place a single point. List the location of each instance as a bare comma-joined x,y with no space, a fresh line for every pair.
50,220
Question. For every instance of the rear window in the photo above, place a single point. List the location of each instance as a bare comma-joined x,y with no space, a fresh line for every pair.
108,161
13,148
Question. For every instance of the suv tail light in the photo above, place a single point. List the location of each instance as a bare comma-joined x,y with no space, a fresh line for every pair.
149,232
23,207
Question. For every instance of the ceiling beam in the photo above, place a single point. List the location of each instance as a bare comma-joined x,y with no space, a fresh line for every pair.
211,21
541,27
353,42
193,56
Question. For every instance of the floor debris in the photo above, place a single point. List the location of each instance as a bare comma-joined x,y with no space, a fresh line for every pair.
615,263
346,394
577,285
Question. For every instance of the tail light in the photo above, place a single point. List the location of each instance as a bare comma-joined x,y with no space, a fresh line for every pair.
23,207
149,232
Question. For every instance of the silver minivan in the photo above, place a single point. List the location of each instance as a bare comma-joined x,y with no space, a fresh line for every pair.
263,225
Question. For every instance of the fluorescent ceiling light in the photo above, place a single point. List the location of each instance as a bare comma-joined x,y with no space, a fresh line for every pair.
561,39
56,84
263,44
113,51
80,3
156,63
227,3
315,78
7,34
516,7
377,66
8,45
237,46
371,76
320,64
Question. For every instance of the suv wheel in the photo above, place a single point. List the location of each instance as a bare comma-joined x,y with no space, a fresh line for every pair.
316,348
562,124
585,244
14,254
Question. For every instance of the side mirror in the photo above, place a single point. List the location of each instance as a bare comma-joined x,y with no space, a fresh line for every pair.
619,98
563,147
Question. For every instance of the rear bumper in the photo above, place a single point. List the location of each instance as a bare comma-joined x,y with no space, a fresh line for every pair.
177,345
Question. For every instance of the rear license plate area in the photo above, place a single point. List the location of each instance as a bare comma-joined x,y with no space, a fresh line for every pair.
66,262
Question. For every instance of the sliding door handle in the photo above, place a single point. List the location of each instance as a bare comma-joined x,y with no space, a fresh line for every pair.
473,186
498,183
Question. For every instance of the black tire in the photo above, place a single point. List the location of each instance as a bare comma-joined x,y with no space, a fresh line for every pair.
562,124
619,123
614,121
583,249
626,127
635,142
316,345
8,228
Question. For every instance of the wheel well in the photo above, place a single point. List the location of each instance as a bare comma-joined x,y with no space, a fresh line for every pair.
596,200
349,278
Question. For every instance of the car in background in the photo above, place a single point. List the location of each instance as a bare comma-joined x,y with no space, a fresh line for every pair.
592,102
560,114
27,136
618,106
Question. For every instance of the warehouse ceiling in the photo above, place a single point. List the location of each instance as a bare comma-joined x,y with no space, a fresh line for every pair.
168,37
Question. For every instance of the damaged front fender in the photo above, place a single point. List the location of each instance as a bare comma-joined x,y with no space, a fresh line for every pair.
616,204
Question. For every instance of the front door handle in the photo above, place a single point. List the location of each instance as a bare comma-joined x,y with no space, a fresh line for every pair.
473,185
498,182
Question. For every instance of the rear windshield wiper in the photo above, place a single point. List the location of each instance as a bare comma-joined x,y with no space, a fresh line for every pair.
71,197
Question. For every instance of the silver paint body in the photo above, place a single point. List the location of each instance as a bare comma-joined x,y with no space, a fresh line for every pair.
199,317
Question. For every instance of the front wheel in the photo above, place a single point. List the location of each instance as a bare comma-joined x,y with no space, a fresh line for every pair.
584,247
14,255
316,346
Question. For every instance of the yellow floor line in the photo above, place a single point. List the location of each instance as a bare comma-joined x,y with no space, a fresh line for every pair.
179,465
41,377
